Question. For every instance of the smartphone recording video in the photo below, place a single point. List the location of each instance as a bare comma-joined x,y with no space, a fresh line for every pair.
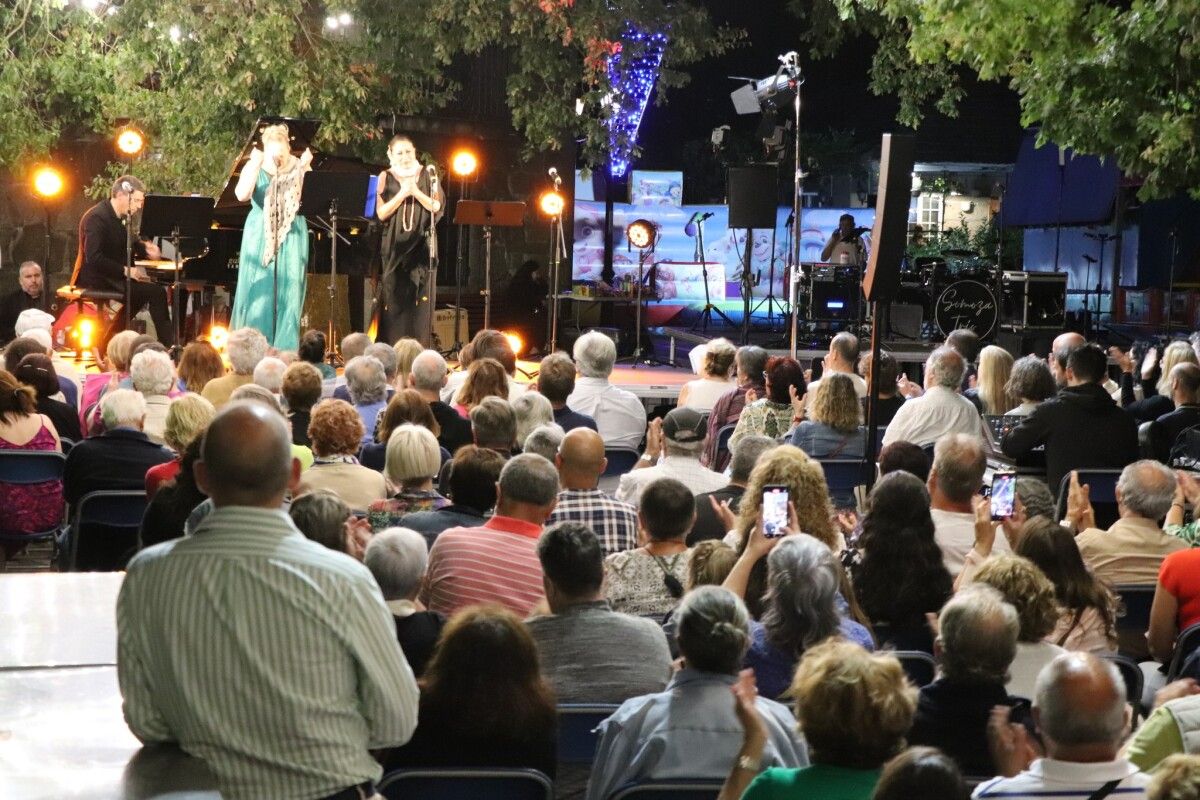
1004,494
775,511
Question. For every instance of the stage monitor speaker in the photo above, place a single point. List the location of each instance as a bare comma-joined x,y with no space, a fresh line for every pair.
752,196
905,321
889,237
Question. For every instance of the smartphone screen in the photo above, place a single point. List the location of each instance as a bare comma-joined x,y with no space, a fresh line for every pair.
775,510
1004,492
817,365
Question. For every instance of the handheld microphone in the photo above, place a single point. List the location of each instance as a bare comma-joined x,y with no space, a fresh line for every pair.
126,187
698,217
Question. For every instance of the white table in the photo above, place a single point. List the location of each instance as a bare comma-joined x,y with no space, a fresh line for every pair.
51,619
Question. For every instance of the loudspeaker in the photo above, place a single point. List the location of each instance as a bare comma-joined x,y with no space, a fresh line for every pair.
752,196
905,321
890,234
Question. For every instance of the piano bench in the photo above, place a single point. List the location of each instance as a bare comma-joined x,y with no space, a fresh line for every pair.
79,295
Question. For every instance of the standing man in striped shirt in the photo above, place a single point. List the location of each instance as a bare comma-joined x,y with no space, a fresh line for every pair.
261,652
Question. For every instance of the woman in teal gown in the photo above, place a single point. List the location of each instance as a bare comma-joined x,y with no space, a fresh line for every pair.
273,264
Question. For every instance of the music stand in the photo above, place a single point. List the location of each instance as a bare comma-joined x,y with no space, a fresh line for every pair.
328,194
487,214
176,217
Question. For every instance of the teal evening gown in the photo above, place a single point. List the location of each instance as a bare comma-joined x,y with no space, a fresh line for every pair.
252,304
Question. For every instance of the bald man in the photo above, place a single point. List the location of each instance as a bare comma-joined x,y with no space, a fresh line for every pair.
231,641
580,463
1082,716
1062,346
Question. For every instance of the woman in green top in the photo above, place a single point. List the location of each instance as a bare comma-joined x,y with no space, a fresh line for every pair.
854,709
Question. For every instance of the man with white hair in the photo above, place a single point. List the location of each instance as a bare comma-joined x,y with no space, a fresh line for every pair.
268,374
68,377
544,440
428,376
955,480
153,375
941,410
367,385
117,458
386,356
620,417
30,294
1133,548
397,557
1080,711
245,348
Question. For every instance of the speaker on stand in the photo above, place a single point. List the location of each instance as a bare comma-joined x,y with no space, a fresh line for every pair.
752,194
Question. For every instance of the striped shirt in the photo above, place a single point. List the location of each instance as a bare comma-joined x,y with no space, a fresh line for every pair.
263,653
614,522
1047,777
494,563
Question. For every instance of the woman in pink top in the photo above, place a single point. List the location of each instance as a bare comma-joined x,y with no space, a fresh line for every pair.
35,507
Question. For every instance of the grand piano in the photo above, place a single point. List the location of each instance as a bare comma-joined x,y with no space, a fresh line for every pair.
358,251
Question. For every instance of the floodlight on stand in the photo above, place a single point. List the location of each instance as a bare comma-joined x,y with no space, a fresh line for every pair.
47,182
551,203
641,233
130,141
464,163
515,343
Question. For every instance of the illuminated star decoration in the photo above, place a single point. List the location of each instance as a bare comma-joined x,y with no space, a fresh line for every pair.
632,70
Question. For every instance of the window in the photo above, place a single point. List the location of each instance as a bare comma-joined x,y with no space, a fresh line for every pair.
929,212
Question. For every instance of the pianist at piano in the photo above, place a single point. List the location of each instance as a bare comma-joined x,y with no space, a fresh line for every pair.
100,263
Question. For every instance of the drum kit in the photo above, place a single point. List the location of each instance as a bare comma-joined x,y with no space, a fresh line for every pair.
955,289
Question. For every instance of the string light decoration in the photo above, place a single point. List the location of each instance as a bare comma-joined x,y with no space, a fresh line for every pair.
632,71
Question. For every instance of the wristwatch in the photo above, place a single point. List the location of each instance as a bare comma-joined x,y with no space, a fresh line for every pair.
749,764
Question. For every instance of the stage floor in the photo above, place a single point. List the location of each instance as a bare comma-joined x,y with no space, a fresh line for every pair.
646,382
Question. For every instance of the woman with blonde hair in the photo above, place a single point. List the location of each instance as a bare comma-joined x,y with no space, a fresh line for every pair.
187,417
412,462
1157,396
272,265
715,377
406,351
485,378
833,427
990,393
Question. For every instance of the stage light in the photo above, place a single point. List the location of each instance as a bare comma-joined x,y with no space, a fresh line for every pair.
551,203
514,341
130,141
464,163
218,337
641,233
47,182
82,334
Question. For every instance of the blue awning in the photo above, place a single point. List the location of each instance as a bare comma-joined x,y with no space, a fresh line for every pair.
1042,194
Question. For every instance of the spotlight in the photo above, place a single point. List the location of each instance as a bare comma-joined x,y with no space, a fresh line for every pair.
551,203
130,141
514,341
47,182
218,337
82,334
464,163
641,233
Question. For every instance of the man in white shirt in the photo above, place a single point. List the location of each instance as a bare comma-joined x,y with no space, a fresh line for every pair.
941,410
842,358
956,477
620,416
678,438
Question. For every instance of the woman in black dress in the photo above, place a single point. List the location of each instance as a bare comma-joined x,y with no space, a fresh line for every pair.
409,203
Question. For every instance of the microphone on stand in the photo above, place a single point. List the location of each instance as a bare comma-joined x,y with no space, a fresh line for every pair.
126,187
698,217
553,173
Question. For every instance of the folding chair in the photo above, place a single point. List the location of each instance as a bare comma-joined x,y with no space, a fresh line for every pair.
920,667
454,784
1185,644
669,790
1131,673
620,460
1102,490
1134,619
842,475
26,468
577,723
109,520
723,435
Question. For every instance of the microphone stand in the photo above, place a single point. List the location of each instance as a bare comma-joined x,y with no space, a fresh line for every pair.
706,315
431,274
128,263
560,251
791,64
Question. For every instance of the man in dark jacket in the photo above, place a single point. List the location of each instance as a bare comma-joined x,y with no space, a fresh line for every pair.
1081,427
1185,392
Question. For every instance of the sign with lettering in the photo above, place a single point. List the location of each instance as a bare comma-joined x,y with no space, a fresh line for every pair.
966,304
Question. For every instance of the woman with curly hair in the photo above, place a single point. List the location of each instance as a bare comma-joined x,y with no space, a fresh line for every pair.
714,381
900,576
833,427
1087,619
485,378
772,415
336,430
1030,592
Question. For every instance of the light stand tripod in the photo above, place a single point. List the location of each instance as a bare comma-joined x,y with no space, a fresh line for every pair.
560,252
770,300
747,286
1104,239
791,66
643,235
706,313
458,276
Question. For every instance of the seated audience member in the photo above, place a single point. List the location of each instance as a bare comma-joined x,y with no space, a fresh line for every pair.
288,595
854,709
1133,548
386,356
428,377
1158,397
531,410
118,458
899,577
96,384
494,425
257,394
1087,607
367,384
1060,351
580,463
70,382
1176,605
37,372
245,348
751,364
268,374
832,427
29,295
990,393
301,390
921,773
1082,717
959,461
556,382
773,414
1030,384
941,411
841,360
1170,729
1081,428
711,562
353,345
620,416
187,417
1185,391
153,376
714,381
485,378
406,406
30,508
198,364
967,344
590,653
976,643
904,457
888,399
673,447
397,557
175,499
405,351
544,440
648,581
507,720
336,431
312,351
471,479
324,517
413,459
800,607
1026,589
746,454
691,729
497,561
491,344
1177,778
